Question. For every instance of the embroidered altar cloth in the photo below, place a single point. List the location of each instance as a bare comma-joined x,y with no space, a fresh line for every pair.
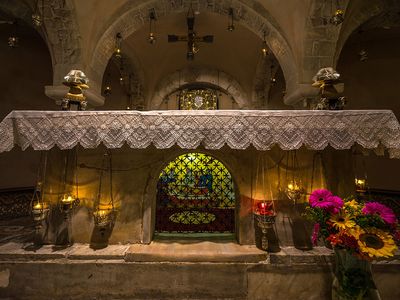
238,129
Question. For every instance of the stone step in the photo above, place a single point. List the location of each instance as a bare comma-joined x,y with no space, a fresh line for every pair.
194,251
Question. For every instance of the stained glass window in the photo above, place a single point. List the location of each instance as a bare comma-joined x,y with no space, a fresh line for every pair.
195,193
198,99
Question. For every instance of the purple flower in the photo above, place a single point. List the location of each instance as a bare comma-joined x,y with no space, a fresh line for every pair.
315,233
376,208
326,200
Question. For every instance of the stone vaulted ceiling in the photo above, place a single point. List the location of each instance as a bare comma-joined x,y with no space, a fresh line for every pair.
81,34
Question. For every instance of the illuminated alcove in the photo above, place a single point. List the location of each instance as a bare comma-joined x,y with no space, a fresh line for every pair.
195,194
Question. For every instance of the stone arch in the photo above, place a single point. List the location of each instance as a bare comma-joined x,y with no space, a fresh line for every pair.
59,30
252,15
361,12
186,76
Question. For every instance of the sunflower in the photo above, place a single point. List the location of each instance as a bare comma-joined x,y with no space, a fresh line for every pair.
374,242
342,221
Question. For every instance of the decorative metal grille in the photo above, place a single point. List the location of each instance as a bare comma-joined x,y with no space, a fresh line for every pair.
15,203
198,99
195,193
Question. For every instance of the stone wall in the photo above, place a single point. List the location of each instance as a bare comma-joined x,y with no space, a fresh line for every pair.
135,175
116,279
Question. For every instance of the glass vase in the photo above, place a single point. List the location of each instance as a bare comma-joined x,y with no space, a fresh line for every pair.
353,278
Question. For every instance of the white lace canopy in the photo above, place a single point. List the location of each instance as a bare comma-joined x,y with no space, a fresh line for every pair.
238,129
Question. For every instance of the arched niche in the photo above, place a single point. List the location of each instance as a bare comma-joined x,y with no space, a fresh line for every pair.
199,76
195,194
150,194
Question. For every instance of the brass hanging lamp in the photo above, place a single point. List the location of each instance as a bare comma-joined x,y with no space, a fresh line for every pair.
40,207
104,210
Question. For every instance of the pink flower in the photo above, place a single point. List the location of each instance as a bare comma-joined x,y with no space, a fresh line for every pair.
337,204
326,200
372,208
315,233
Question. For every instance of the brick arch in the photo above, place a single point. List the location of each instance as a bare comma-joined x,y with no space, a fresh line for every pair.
252,15
361,12
185,76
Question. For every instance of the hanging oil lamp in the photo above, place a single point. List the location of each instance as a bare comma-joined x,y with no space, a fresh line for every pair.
264,46
103,215
294,190
40,208
360,173
118,43
338,17
231,26
68,200
104,207
152,23
361,185
37,16
13,41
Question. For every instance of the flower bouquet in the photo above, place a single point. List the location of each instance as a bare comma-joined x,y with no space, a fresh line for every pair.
359,233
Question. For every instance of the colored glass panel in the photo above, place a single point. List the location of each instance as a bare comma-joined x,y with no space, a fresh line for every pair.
195,193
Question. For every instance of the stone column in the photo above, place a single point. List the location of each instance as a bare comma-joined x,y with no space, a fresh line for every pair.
299,94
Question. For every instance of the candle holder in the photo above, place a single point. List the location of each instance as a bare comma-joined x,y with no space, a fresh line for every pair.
264,215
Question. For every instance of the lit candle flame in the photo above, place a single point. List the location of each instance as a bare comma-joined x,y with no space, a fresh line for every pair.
38,206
